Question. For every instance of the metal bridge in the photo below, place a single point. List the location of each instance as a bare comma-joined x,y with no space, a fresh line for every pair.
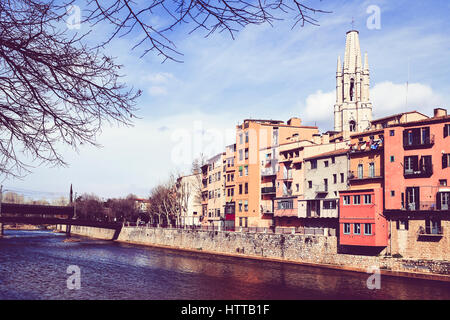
47,215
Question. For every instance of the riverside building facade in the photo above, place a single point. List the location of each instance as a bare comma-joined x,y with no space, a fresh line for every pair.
380,186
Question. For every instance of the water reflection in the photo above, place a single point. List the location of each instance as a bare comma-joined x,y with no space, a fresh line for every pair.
33,266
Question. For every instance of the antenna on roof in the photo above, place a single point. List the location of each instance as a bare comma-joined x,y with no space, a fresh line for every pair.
407,84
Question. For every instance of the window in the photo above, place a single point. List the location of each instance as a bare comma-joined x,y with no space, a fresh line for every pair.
342,178
325,182
246,170
241,140
371,170
333,160
447,130
246,153
313,164
334,178
392,193
352,126
246,188
443,182
240,206
443,200
411,164
412,198
445,161
402,225
346,200
357,199
246,137
241,155
392,158
329,204
360,171
367,199
246,205
325,163
240,189
367,229
346,228
310,184
392,133
297,187
356,228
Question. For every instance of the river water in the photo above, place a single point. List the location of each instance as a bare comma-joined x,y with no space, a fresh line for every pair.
34,264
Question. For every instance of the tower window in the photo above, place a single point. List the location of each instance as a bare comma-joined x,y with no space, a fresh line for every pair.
352,89
352,125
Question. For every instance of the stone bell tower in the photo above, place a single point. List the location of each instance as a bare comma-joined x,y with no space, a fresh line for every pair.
353,109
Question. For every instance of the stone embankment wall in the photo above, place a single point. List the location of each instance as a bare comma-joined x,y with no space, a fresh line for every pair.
316,250
295,248
92,232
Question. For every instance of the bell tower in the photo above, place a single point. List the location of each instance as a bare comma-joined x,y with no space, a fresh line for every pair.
353,109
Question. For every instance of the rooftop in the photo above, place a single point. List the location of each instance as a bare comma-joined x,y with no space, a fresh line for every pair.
328,154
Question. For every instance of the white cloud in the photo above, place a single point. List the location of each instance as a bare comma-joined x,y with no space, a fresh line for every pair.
157,91
159,77
390,98
320,106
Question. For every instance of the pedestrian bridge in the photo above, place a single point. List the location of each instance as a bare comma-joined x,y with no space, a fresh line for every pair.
44,214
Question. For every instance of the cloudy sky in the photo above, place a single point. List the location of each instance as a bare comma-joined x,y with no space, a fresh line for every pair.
273,72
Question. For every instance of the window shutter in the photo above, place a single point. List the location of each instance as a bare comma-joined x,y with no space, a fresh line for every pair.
444,161
438,201
445,131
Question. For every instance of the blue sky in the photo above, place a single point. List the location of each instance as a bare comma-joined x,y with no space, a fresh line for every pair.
271,72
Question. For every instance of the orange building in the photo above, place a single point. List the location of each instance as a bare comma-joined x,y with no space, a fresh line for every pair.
251,137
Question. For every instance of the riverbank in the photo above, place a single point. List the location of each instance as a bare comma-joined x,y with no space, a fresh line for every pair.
318,251
24,227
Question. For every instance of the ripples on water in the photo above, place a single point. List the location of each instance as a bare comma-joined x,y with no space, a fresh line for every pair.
33,265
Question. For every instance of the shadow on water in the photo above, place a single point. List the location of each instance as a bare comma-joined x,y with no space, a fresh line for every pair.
34,266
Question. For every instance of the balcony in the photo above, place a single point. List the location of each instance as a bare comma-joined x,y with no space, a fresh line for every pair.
426,206
266,209
352,176
287,193
268,190
425,171
265,172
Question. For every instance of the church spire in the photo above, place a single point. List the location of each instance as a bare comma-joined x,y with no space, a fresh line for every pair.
353,110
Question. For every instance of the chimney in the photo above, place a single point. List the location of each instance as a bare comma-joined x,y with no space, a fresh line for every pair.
316,138
294,122
325,138
440,112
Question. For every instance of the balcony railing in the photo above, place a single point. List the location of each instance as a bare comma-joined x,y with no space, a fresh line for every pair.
266,209
352,176
425,206
266,190
268,171
425,171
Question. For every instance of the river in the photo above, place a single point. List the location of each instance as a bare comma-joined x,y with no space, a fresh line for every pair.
34,264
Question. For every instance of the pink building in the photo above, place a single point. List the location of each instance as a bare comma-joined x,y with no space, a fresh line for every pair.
417,192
